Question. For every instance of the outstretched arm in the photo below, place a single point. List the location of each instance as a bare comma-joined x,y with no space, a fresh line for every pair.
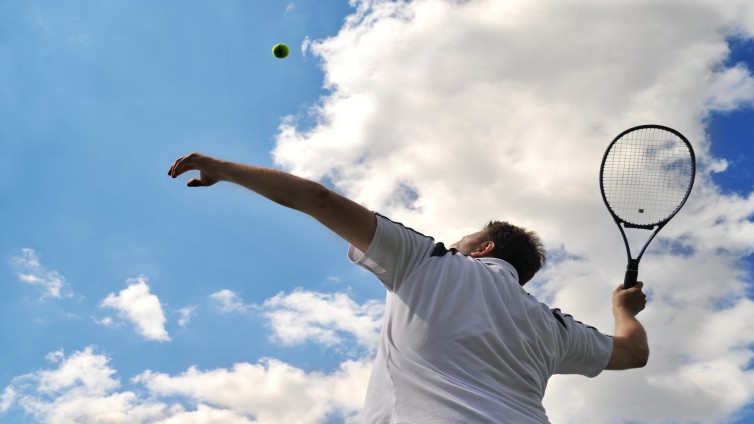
346,218
630,346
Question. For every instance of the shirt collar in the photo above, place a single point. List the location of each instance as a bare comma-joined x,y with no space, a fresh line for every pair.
501,267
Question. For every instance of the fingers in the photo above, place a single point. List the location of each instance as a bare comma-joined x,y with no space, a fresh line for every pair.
640,298
637,287
633,300
193,161
635,291
182,165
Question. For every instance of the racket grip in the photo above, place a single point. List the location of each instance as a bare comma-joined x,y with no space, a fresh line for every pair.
631,276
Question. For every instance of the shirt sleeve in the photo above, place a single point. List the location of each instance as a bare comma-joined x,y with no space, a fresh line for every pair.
394,253
587,351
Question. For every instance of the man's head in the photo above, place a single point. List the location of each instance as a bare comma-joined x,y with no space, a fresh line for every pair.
521,248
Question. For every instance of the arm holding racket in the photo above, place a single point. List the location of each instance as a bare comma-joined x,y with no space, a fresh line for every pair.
630,346
344,217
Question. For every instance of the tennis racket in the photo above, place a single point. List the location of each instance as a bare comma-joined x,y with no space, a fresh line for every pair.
645,178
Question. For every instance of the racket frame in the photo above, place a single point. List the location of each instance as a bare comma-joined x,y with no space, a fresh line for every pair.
632,267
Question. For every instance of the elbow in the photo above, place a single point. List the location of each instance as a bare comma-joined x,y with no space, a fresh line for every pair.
309,198
315,200
640,358
322,196
628,354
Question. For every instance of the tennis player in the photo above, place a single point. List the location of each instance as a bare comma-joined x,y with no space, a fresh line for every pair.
461,340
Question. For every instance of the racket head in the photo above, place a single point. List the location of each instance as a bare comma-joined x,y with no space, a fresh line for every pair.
646,175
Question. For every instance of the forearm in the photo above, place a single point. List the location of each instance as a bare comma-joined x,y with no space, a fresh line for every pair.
280,187
627,326
346,218
629,341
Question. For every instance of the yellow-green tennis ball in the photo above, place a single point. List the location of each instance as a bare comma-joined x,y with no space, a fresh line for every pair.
280,51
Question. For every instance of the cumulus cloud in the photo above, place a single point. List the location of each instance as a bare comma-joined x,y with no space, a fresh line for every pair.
271,391
731,89
445,114
205,415
323,318
83,387
136,304
29,270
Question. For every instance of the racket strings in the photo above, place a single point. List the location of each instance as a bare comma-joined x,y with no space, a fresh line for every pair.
646,175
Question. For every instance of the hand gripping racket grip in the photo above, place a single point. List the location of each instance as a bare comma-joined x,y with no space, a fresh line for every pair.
632,274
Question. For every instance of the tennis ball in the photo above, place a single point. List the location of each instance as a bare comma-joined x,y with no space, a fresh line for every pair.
280,51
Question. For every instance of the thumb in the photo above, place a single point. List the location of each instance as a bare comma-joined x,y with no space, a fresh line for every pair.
195,183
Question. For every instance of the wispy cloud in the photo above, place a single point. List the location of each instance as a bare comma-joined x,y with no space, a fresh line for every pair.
136,304
42,21
29,270
186,314
228,301
7,398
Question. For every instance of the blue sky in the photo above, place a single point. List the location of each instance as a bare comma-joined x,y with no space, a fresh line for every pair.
733,132
97,99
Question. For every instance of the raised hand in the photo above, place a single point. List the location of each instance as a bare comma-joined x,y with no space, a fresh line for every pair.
632,300
195,161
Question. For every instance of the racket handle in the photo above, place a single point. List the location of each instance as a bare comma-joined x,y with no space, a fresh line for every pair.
632,274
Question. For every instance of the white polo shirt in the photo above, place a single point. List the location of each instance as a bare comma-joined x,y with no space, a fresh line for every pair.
461,341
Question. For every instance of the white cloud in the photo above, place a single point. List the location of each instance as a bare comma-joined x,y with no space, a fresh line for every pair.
55,356
330,319
443,115
42,21
186,314
83,387
446,114
29,270
7,398
83,370
136,304
731,88
227,301
270,391
303,315
80,389
106,321
205,415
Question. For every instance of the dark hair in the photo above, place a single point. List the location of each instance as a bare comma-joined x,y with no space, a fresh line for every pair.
521,248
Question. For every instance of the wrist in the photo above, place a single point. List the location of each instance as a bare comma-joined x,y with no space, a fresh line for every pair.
217,168
620,310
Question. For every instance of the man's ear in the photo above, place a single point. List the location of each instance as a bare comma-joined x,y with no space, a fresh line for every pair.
484,249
